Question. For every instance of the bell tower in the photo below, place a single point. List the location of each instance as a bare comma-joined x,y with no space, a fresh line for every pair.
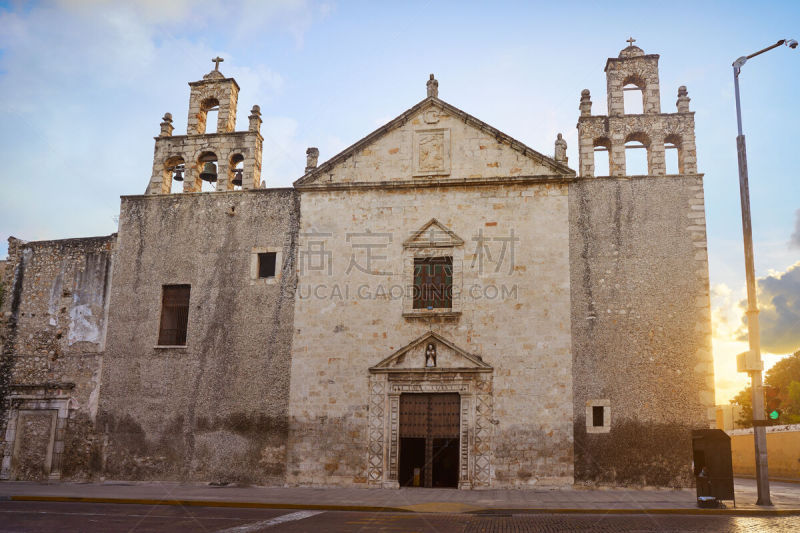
610,135
215,153
214,91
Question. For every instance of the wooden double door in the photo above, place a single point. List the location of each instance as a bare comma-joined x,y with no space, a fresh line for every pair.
429,439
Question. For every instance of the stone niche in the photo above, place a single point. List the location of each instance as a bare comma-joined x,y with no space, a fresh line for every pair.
430,364
34,439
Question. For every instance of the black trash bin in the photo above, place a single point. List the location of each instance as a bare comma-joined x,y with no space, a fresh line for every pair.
713,467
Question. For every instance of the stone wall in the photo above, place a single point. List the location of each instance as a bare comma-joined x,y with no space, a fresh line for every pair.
641,328
216,408
54,313
513,313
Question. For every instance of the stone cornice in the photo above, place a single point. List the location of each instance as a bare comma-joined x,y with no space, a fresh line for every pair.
640,177
436,182
212,135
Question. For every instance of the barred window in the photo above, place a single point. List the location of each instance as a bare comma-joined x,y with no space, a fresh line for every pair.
174,315
433,282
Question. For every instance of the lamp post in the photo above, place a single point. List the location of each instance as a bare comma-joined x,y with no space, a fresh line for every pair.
754,365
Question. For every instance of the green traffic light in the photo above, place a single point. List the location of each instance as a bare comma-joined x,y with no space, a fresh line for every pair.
774,415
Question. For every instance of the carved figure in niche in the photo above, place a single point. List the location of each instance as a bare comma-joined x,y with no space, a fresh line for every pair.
430,355
431,152
561,149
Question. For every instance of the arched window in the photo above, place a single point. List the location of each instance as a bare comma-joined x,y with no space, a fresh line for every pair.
207,120
236,172
172,181
207,171
633,95
637,154
673,157
602,156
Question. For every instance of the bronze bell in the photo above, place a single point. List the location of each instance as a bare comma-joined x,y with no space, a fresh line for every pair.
209,173
178,176
237,177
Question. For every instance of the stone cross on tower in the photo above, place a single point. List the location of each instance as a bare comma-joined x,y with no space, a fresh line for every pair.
630,41
217,60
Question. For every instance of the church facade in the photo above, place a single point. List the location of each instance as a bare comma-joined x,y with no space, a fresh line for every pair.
437,305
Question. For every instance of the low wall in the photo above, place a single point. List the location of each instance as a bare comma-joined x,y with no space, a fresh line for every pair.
783,450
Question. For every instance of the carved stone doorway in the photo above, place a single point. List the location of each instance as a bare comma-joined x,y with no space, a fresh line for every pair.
429,440
430,366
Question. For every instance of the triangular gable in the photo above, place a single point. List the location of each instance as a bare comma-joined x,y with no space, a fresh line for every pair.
313,176
449,357
433,234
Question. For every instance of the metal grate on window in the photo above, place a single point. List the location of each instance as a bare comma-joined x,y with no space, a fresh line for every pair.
174,315
433,282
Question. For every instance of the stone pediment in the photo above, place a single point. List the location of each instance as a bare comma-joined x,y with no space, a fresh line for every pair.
433,234
433,144
420,356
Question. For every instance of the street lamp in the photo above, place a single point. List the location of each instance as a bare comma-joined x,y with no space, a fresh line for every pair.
752,360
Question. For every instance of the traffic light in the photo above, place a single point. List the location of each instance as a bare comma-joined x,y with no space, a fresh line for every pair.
773,403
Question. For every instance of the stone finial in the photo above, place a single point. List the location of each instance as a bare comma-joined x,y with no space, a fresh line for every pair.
255,118
166,125
433,87
561,149
312,155
586,103
683,100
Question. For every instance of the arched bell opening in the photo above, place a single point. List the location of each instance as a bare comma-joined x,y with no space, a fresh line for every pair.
637,161
633,95
173,174
207,166
209,114
602,156
673,156
236,172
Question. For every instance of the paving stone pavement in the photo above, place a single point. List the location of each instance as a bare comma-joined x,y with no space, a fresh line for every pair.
50,517
785,496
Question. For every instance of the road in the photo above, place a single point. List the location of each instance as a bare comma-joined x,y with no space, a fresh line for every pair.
50,517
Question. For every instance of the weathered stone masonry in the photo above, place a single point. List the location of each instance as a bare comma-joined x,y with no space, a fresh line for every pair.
215,408
53,344
639,289
591,362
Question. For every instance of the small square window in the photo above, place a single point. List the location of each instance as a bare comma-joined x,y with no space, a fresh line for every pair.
597,415
174,315
266,264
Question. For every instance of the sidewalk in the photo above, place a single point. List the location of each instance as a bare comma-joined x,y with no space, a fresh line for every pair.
785,497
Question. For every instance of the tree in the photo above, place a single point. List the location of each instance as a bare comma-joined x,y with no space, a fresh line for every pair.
793,407
744,400
785,376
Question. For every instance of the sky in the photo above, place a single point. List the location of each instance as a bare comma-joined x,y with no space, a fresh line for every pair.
84,85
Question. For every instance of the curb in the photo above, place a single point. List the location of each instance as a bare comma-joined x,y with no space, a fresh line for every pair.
205,503
379,509
688,511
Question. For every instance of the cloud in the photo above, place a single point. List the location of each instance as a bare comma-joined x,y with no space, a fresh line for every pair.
779,316
85,83
726,313
794,241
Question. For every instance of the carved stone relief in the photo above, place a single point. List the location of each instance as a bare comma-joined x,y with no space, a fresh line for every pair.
432,152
